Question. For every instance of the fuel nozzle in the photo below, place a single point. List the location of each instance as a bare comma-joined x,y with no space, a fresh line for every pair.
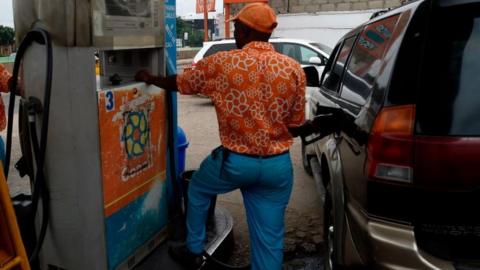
320,126
34,107
115,79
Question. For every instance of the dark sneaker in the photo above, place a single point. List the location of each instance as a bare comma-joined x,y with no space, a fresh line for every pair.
182,255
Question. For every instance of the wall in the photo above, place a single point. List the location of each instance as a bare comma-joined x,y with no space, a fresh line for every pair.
323,21
310,6
6,50
322,27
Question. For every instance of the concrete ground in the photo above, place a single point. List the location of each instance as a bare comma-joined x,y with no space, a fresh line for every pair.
303,242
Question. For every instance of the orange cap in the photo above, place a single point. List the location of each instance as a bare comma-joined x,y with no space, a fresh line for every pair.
258,16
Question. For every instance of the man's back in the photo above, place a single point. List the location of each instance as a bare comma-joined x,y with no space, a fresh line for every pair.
257,93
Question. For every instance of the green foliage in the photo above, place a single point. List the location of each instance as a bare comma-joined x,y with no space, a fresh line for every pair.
182,26
196,39
7,35
195,36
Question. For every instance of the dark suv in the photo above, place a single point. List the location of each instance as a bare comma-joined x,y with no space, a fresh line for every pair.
401,172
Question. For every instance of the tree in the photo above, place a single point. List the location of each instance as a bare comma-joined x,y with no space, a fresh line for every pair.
7,35
195,36
182,27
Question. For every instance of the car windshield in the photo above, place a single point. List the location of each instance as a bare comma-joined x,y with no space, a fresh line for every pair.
449,101
323,48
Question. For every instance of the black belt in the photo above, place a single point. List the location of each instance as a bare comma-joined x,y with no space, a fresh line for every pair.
224,153
256,156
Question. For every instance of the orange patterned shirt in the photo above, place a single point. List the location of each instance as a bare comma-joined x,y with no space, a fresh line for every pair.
4,77
257,94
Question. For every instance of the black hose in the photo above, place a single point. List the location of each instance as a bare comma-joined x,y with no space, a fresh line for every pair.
176,205
40,187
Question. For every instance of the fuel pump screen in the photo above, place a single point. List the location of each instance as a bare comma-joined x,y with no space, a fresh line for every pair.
127,24
138,8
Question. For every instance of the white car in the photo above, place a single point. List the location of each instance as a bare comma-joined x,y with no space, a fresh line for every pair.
306,52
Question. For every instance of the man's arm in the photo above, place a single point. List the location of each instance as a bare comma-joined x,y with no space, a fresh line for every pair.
297,126
167,83
190,82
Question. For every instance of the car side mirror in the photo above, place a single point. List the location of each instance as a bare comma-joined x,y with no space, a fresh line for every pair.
311,74
315,60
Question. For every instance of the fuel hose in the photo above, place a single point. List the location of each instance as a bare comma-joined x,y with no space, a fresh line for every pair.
34,108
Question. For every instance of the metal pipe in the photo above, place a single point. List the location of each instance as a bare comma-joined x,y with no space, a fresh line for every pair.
205,20
227,17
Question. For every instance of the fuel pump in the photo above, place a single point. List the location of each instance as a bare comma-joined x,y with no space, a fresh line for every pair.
99,143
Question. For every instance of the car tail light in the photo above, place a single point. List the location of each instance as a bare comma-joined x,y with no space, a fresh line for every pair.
390,146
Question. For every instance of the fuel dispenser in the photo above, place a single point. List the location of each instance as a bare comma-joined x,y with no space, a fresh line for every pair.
100,143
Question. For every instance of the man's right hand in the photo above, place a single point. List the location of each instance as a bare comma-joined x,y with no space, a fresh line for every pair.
143,76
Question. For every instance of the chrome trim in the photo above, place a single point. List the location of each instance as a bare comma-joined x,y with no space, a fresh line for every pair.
393,245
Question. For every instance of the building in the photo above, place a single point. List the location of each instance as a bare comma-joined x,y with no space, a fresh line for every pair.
6,50
312,6
196,21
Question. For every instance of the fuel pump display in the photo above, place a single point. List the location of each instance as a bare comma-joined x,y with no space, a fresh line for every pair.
139,8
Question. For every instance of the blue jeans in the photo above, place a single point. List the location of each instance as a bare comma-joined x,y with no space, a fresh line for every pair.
266,185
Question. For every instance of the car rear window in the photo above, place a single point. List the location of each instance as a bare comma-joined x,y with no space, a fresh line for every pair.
366,62
220,48
331,78
449,100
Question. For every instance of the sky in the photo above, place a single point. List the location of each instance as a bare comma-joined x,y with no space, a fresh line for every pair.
6,13
184,7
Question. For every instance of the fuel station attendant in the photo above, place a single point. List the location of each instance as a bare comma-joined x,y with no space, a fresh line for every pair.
259,98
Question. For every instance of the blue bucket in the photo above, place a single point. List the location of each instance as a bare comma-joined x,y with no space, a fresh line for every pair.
182,145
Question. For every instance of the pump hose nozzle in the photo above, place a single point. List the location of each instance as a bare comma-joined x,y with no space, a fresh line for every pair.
40,188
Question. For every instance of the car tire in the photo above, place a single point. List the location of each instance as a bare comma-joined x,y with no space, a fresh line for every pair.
306,161
329,230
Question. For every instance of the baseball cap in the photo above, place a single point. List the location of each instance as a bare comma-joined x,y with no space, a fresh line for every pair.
258,16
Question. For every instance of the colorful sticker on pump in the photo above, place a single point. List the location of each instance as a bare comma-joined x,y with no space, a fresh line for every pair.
133,151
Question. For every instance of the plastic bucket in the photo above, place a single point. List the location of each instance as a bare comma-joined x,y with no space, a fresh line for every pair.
182,145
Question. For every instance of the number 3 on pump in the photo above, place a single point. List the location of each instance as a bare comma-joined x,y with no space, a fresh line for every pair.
109,101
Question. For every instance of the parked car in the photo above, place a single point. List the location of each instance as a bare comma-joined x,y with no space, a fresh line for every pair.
400,170
304,51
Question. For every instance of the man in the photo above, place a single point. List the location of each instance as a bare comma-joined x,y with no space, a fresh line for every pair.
259,95
5,78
